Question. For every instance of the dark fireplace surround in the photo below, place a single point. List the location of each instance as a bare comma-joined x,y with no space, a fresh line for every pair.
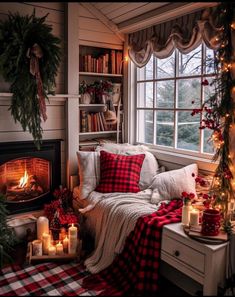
49,153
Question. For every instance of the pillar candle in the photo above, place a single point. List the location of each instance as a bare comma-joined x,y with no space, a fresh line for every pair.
65,244
51,250
59,248
72,245
37,247
46,239
73,231
194,217
42,226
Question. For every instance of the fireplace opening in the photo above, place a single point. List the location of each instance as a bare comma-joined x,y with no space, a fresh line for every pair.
25,179
29,176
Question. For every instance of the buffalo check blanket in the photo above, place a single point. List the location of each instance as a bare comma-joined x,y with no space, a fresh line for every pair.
135,271
44,279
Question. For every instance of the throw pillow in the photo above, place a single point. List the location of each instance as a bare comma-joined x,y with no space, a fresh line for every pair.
171,184
88,172
150,165
119,173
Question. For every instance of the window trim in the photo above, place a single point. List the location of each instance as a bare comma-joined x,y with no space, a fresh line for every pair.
182,152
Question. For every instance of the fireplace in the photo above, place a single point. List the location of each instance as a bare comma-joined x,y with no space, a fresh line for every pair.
27,175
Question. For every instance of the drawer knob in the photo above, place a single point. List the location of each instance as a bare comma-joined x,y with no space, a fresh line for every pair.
176,253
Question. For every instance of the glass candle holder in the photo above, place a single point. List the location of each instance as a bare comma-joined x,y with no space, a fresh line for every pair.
211,222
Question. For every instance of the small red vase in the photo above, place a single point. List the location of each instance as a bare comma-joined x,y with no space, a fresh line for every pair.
211,222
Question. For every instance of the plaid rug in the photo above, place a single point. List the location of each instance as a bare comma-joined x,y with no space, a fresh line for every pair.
134,272
48,279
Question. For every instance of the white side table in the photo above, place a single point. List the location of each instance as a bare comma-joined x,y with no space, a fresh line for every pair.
204,263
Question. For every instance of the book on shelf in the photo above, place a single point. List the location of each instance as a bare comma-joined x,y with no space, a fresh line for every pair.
109,62
94,122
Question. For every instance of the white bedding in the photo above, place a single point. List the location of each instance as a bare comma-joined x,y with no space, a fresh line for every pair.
112,217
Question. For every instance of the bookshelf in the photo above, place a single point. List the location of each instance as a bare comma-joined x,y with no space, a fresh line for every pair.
97,66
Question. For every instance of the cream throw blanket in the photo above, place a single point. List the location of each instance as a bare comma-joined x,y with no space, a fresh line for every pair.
114,216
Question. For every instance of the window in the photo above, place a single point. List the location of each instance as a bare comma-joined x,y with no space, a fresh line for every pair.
167,92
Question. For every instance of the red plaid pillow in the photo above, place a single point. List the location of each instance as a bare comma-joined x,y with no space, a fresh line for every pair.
119,173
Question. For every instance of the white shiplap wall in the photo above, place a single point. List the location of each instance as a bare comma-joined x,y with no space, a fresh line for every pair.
54,127
94,32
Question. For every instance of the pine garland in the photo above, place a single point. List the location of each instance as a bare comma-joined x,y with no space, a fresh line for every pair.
7,237
219,110
18,36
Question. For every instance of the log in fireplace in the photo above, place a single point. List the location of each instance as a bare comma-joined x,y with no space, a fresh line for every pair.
27,175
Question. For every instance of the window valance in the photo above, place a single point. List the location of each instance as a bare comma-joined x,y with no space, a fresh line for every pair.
184,33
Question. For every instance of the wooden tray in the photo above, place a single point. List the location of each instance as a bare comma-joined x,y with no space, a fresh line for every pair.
64,257
222,237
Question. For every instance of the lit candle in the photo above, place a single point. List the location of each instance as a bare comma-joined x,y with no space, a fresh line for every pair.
59,248
194,217
73,231
46,239
51,250
66,244
37,247
72,245
62,234
42,226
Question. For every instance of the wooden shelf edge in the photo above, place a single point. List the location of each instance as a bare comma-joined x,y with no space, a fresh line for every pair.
100,74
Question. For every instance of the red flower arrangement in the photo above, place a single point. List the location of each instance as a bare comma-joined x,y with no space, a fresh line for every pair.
187,197
60,212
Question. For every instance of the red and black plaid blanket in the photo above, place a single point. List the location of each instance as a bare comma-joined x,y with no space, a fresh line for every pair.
135,271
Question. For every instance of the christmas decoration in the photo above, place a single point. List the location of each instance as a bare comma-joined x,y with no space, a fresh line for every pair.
7,236
60,212
29,58
218,110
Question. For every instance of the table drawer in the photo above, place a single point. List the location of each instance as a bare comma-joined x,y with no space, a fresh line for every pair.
183,253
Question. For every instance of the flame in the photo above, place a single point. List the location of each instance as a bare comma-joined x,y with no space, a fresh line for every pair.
24,180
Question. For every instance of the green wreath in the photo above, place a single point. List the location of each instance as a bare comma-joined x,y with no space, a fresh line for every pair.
29,59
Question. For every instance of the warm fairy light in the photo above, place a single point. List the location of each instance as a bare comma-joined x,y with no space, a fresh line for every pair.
232,25
227,115
126,58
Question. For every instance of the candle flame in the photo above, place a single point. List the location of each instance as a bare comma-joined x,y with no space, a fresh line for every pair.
24,180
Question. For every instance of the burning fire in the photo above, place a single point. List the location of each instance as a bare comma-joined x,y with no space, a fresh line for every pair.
24,180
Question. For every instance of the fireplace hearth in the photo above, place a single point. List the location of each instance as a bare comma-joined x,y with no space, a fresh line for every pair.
27,175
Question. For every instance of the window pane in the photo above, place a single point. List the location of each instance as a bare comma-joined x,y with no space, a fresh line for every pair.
145,126
165,67
165,94
165,128
146,72
209,62
189,93
208,90
207,143
188,131
190,64
145,94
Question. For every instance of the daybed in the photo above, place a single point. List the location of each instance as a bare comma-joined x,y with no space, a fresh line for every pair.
110,217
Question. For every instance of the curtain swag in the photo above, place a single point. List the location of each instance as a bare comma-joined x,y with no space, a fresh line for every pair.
184,33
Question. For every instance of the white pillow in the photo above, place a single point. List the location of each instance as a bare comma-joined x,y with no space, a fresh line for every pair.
150,165
88,172
171,184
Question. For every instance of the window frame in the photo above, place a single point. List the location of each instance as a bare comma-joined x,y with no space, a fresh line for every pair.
176,78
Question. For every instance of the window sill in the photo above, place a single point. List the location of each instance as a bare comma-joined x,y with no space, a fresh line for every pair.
179,160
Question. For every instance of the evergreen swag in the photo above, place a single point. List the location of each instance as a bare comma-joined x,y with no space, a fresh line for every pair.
7,238
219,110
29,58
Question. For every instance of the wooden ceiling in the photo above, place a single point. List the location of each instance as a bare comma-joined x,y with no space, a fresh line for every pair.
128,17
